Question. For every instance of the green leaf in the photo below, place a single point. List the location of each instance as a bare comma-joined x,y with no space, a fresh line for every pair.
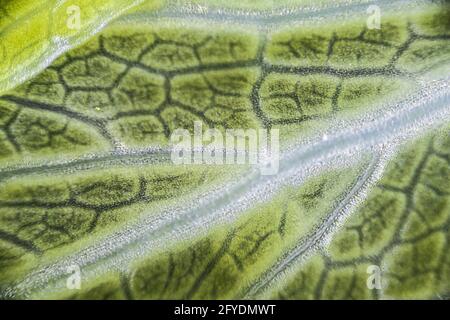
87,180
34,33
402,227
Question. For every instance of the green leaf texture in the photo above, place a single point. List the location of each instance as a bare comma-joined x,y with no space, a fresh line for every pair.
33,33
86,177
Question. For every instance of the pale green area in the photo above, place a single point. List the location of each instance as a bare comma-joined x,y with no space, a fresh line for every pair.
33,31
262,4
